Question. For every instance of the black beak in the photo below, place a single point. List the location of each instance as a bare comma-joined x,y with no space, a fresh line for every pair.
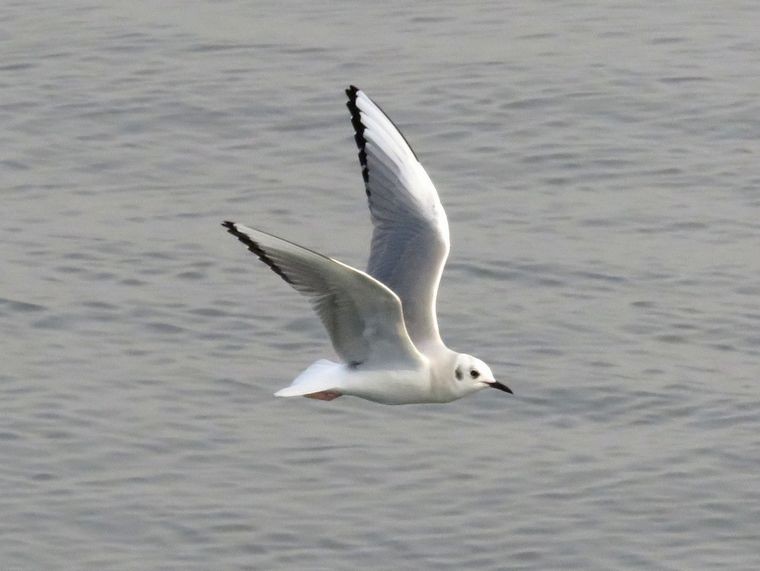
498,385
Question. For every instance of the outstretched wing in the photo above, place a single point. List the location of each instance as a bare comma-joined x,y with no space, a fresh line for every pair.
362,316
410,241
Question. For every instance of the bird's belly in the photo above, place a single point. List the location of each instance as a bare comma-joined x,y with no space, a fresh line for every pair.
389,387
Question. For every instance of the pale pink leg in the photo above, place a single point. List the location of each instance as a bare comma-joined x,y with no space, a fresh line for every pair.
324,395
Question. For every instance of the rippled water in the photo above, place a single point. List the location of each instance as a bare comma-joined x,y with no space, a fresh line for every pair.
600,170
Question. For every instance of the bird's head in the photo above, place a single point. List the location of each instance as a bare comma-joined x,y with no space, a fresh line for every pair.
471,374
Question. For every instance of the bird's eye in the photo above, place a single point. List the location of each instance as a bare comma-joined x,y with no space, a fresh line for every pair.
474,374
458,374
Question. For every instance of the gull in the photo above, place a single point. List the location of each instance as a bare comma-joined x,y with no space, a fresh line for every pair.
382,323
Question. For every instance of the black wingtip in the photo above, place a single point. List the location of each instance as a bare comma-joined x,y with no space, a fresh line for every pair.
256,248
352,92
356,121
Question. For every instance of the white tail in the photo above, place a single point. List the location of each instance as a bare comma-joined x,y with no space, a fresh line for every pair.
322,375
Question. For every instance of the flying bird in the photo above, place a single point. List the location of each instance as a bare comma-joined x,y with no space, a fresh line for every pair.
382,322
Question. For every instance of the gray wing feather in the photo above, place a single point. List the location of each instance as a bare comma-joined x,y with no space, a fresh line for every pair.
410,241
362,316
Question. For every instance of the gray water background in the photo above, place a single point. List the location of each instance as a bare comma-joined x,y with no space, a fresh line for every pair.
599,166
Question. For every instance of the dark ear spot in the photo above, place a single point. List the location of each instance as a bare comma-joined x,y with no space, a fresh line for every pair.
458,373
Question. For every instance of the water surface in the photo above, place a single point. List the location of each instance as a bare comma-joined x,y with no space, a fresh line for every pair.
599,166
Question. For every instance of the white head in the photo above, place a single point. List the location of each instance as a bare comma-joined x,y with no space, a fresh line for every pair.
471,374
